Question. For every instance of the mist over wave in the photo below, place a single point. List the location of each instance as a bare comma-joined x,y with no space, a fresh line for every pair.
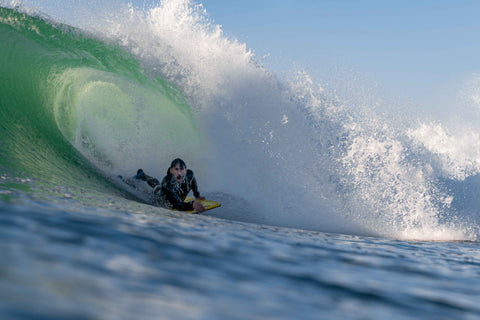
296,152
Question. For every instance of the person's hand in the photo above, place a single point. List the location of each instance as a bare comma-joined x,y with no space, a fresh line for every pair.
198,207
201,198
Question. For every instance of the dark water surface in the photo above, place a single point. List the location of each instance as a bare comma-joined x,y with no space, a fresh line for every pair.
59,264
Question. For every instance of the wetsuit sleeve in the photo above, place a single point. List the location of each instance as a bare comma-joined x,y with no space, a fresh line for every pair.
175,200
193,184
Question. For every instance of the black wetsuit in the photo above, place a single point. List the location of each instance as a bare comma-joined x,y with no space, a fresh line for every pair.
171,194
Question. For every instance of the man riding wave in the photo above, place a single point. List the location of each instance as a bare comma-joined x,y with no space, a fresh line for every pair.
174,188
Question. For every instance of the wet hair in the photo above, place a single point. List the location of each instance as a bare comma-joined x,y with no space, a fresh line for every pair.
176,162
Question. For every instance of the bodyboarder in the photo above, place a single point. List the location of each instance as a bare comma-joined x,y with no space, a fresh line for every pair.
174,188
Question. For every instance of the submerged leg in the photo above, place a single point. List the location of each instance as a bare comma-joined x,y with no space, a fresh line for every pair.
152,182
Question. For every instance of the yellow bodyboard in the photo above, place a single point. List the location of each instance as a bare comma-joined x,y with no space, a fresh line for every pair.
208,204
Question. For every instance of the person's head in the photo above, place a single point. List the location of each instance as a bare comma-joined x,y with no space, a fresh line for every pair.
178,169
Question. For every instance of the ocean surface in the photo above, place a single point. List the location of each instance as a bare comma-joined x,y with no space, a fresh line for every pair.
333,206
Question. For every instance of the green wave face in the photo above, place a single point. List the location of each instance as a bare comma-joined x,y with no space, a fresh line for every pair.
72,105
110,118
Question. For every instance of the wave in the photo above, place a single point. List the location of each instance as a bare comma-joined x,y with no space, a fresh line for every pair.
145,85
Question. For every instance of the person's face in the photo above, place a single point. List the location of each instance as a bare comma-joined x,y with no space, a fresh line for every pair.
178,172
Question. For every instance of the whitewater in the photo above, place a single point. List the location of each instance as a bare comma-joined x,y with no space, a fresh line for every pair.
334,204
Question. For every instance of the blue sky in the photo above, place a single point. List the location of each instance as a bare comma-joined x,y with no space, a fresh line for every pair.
419,50
422,50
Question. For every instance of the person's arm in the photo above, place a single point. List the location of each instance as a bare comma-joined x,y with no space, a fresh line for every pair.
197,206
193,184
175,200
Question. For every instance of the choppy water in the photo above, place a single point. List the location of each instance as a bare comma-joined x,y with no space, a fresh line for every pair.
331,208
64,264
